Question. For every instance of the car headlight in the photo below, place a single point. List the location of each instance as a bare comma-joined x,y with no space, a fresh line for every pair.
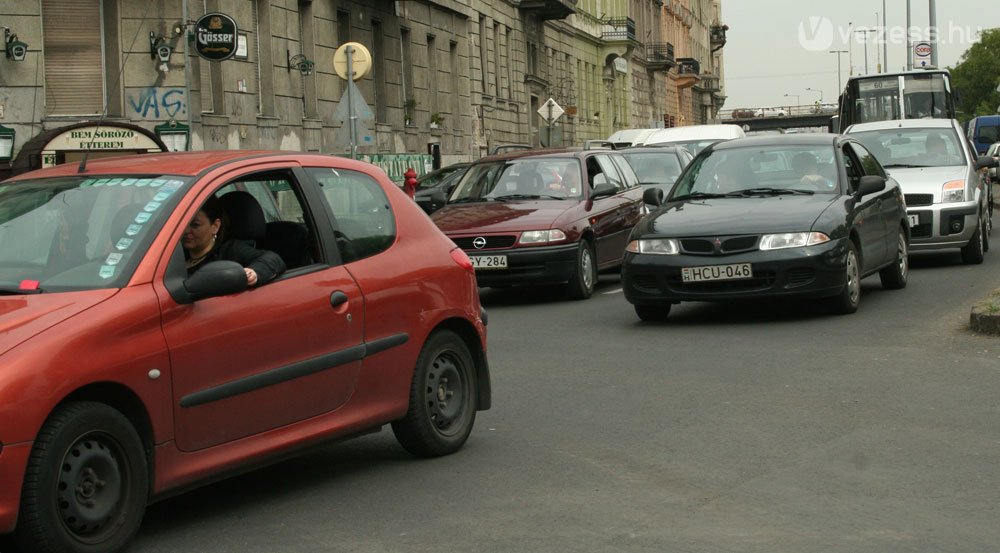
792,240
655,246
953,191
542,236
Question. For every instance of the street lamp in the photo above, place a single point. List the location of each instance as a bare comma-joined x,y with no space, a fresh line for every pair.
820,93
796,96
840,87
865,32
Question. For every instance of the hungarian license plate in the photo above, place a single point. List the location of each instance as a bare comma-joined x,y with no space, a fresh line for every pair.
737,271
914,220
489,261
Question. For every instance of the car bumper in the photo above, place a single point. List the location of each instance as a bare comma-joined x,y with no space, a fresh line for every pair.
935,230
811,272
13,461
534,265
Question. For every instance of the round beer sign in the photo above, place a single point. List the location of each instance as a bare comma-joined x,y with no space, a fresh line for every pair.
215,36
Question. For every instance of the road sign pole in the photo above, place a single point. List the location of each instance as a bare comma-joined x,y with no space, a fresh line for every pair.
353,121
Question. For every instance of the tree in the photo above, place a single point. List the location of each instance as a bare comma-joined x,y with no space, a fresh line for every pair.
977,75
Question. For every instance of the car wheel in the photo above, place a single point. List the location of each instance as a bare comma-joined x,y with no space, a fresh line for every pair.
652,313
581,286
442,398
972,253
847,301
86,484
894,276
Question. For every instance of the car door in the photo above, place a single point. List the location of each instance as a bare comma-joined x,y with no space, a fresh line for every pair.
890,201
609,216
869,222
271,355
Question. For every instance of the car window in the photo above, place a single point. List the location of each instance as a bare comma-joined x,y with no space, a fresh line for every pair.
851,167
364,222
630,176
610,171
80,232
869,164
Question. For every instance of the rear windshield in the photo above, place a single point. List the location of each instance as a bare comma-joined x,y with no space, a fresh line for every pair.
654,167
79,232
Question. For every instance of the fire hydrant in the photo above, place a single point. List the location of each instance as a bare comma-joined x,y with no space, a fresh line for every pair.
410,182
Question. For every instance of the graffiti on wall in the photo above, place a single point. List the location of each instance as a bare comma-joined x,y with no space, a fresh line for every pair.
157,103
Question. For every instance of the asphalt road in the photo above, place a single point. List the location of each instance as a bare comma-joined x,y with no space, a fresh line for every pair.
730,428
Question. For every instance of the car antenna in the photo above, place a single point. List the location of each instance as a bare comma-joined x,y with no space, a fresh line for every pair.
104,113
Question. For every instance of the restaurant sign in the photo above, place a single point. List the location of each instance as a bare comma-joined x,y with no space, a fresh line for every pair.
216,36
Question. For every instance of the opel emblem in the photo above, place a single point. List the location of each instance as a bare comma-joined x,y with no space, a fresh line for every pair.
718,243
479,242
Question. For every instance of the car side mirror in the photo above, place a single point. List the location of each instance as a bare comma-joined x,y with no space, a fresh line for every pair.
432,201
653,196
986,162
218,278
602,188
870,184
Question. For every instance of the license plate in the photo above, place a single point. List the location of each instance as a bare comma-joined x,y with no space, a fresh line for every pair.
489,261
914,220
738,271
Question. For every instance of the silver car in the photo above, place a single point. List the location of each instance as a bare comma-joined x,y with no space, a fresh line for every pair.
944,183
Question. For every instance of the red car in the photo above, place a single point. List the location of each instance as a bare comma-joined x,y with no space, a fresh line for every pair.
124,378
544,217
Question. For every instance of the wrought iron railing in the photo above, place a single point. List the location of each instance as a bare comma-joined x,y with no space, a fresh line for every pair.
618,28
660,53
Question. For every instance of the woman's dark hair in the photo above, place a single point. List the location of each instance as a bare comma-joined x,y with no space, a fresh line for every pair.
212,208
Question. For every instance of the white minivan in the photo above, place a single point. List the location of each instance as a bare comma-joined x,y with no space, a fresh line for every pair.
694,138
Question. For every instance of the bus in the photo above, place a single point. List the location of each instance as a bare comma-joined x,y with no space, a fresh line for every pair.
918,94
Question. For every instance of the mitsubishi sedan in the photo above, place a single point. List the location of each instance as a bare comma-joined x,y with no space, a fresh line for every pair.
129,375
803,216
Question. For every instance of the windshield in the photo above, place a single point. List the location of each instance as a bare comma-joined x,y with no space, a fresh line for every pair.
914,147
878,98
655,168
444,179
760,170
79,232
520,179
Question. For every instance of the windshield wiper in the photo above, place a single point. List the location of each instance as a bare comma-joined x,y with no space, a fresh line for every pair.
521,197
770,192
696,196
469,200
902,166
13,291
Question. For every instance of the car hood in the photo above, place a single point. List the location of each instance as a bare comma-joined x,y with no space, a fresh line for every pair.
927,180
726,216
24,316
490,217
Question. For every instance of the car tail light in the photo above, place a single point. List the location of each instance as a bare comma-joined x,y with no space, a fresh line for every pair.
463,260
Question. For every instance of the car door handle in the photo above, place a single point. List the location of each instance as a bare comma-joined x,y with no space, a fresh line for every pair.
338,298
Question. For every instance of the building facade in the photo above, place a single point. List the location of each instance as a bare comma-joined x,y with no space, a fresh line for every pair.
455,77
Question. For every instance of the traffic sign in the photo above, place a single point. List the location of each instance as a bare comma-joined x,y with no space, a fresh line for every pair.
550,111
361,60
922,52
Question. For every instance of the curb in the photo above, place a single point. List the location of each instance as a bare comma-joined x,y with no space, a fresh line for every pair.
985,316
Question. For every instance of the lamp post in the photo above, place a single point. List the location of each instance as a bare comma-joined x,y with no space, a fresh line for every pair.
797,101
819,91
865,32
840,86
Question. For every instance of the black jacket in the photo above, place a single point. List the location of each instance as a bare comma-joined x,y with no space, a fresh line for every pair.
267,264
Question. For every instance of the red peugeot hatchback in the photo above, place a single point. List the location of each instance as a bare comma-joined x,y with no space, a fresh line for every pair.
124,377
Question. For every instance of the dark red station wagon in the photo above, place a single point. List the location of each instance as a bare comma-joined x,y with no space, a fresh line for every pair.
123,378
544,217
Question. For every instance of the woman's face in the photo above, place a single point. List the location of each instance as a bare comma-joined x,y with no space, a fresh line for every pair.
200,232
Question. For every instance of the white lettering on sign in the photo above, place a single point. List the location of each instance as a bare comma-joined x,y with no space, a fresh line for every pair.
205,37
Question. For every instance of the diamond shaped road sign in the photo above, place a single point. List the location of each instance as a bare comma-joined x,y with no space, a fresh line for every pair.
550,111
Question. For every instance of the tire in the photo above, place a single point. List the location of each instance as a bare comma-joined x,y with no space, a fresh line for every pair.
584,280
86,484
652,313
442,398
846,302
972,253
894,276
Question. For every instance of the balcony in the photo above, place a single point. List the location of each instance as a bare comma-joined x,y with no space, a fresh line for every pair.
688,72
618,29
660,56
717,34
710,83
549,9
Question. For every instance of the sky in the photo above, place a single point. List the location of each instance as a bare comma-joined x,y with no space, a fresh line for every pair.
781,47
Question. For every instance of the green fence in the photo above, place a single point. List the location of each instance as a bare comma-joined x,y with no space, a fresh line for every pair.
395,165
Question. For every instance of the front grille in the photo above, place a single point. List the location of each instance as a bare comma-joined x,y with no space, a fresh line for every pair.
762,280
727,245
492,242
913,200
801,277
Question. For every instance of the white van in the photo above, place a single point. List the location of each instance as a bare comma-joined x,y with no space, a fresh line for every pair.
632,137
695,137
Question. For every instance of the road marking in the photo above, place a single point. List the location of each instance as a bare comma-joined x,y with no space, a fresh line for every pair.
618,291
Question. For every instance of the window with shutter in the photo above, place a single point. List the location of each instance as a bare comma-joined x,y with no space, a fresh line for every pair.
74,57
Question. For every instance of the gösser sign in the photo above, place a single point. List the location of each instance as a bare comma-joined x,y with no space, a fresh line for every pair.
215,36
